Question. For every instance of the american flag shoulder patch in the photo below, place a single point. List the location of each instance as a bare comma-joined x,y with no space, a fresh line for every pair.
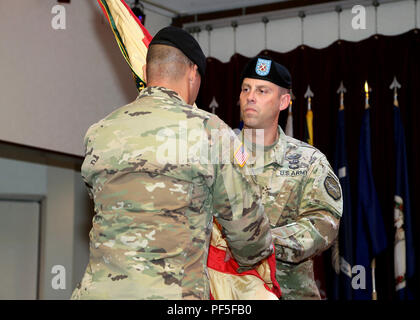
241,156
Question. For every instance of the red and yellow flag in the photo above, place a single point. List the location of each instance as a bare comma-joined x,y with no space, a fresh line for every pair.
227,284
132,37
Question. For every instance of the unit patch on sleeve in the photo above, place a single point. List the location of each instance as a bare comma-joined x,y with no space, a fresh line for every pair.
332,187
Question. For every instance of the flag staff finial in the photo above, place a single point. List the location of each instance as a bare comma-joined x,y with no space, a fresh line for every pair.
341,90
395,86
213,105
367,90
309,94
292,97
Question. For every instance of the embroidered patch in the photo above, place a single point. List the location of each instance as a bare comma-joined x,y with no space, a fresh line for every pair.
241,156
263,67
332,187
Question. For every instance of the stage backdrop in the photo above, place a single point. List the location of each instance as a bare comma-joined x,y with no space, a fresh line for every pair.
377,59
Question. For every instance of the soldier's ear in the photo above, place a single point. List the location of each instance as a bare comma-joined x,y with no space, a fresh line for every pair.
144,73
193,72
284,101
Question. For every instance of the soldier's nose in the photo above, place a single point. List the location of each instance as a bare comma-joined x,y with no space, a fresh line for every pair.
251,98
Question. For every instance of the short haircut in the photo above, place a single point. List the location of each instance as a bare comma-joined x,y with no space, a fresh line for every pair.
166,62
283,91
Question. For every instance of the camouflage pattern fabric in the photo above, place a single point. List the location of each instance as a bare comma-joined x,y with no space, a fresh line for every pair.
155,196
303,201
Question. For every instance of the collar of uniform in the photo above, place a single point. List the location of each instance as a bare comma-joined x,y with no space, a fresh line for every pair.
280,147
161,92
273,153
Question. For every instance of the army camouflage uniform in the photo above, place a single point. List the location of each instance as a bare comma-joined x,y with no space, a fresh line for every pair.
302,198
151,231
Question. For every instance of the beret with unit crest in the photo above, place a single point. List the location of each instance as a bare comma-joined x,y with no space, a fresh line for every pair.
264,68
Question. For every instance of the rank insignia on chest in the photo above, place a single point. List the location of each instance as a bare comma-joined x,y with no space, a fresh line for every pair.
241,156
293,161
263,67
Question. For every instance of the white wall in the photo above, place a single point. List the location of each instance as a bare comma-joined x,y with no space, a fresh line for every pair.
22,177
155,21
56,83
320,30
66,213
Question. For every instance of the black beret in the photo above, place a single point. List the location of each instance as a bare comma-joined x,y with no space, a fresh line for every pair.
264,68
182,40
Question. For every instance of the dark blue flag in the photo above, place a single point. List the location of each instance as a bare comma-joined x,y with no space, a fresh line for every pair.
371,236
343,257
403,245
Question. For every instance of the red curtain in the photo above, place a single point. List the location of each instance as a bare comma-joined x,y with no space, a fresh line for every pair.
377,59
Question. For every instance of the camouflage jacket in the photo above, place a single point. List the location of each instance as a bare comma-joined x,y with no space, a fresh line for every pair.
155,195
303,201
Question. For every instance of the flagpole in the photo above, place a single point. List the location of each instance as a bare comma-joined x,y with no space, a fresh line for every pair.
335,248
309,116
341,90
292,97
373,263
400,210
367,89
213,105
374,293
395,85
309,94
289,122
